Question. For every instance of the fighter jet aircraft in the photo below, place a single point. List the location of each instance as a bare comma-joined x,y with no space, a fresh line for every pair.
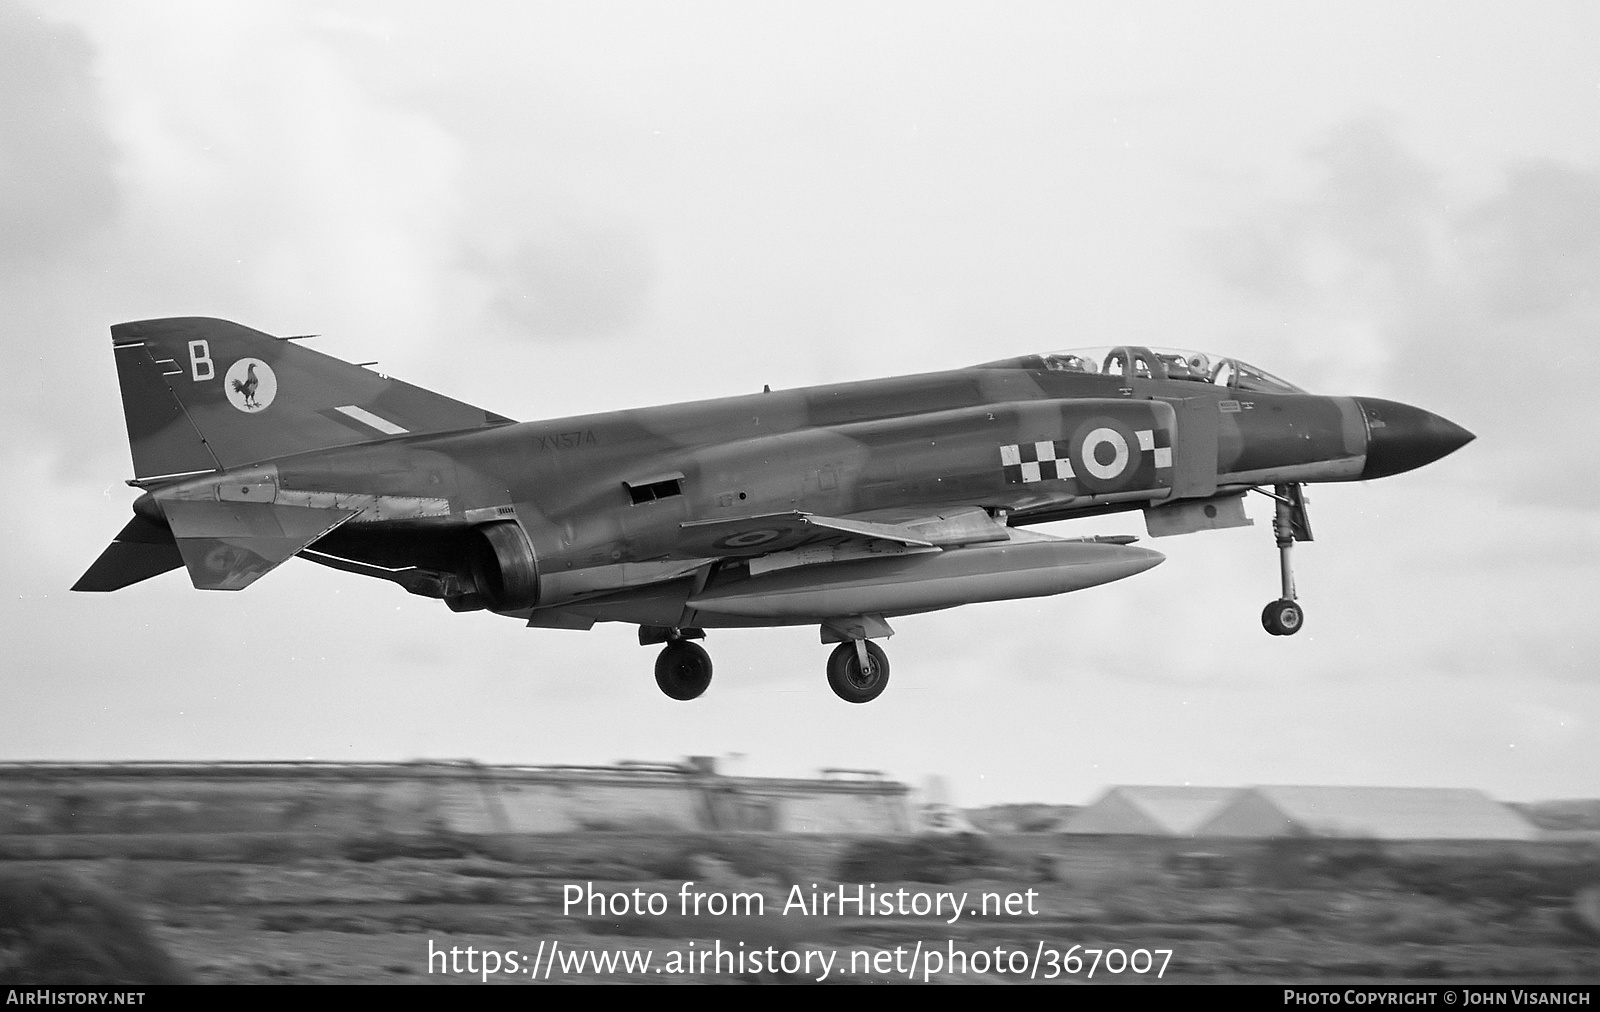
837,506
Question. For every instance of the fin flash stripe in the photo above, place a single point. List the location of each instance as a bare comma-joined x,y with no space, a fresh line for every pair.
366,417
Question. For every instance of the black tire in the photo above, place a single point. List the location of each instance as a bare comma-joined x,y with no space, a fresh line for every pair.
847,679
1267,622
683,669
1282,618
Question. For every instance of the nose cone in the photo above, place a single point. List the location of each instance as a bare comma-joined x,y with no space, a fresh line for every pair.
1401,437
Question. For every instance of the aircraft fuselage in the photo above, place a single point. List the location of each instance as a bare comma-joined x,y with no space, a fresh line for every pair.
895,449
836,505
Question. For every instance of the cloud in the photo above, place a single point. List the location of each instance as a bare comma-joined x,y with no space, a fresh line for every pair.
1482,308
1359,241
1393,279
571,279
226,161
56,157
1534,248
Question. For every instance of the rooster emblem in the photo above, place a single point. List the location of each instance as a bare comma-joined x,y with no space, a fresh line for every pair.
250,385
247,387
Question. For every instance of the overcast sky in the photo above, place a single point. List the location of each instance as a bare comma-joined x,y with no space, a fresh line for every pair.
550,209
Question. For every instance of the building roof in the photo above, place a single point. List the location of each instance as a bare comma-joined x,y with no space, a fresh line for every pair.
1376,813
1153,811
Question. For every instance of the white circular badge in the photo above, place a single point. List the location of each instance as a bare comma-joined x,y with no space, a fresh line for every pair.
1110,469
250,385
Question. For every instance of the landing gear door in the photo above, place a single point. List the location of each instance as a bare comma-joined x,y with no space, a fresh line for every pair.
1194,465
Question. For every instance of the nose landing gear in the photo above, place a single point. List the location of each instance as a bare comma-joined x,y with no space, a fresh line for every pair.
1282,618
1290,523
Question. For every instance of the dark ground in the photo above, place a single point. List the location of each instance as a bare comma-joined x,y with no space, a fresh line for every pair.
270,908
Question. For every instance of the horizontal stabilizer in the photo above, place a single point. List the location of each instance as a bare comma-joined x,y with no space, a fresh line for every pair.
143,549
230,545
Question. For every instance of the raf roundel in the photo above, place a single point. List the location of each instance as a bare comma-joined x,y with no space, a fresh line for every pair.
750,539
1109,444
1106,454
250,385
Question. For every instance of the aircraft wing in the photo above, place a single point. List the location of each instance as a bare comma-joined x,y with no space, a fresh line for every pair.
747,537
768,533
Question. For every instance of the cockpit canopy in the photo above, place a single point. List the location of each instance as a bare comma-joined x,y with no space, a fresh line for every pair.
1137,362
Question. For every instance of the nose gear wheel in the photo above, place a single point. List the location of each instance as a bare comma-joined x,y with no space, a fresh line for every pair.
1282,618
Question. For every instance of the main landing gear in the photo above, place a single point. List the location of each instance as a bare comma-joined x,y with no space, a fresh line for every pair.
858,669
683,668
1290,523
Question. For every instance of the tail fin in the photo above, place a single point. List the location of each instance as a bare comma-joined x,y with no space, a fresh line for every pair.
202,394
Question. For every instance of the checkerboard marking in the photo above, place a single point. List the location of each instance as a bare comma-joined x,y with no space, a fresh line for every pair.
1026,463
